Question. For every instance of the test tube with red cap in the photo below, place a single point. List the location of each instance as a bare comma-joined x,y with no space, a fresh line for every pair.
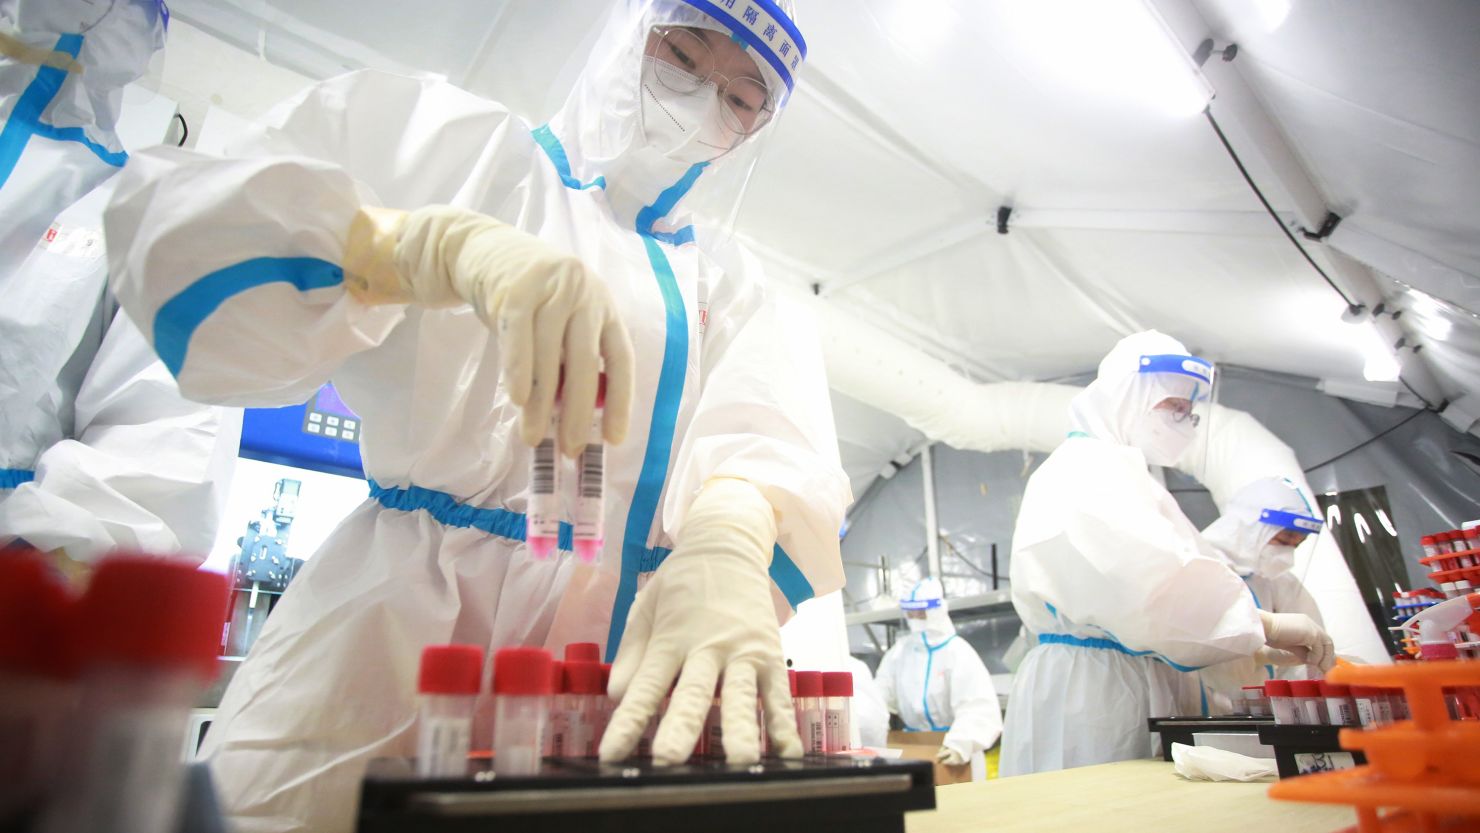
1282,702
589,504
1310,706
608,705
36,680
521,703
583,706
557,726
542,512
1341,709
837,691
141,667
712,739
448,683
811,724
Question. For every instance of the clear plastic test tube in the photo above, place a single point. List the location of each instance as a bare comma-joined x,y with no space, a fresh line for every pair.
1255,703
1310,707
584,704
37,686
713,739
521,702
1282,702
837,689
141,668
811,722
588,535
1341,710
542,512
448,683
557,726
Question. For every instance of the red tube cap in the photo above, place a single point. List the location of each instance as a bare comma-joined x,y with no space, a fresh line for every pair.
1277,688
1365,691
809,684
522,671
557,677
450,669
1335,690
1305,688
791,677
1427,540
35,606
837,684
152,612
583,652
584,678
606,676
1258,688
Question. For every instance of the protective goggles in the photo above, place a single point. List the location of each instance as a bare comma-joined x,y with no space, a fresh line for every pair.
919,604
1290,520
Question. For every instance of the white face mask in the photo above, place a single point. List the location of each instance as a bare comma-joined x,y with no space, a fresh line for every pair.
1275,560
1162,438
684,128
916,625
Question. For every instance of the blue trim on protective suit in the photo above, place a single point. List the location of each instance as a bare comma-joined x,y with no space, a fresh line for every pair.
925,696
25,118
177,320
637,557
13,478
556,151
446,510
1106,645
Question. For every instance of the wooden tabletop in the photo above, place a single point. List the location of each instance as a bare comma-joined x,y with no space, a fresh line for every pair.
1131,796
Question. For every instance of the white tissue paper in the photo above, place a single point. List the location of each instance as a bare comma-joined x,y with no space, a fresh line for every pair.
1204,763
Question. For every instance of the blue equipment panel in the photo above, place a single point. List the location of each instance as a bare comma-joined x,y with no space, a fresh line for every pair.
322,434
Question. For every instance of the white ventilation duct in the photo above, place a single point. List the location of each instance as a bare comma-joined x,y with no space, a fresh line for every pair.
879,369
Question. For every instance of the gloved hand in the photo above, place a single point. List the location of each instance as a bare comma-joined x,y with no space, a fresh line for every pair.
950,757
546,308
1279,657
1294,631
707,611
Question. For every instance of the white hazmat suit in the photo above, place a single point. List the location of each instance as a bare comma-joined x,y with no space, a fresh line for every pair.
936,682
1244,535
233,266
1119,587
98,449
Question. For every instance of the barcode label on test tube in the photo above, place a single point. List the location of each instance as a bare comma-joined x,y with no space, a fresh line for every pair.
543,473
591,470
443,746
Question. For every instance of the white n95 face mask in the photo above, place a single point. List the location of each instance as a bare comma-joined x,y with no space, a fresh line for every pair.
1276,560
1162,438
916,625
684,127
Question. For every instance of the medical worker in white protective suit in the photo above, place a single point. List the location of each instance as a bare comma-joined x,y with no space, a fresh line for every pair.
936,682
1117,584
446,262
1257,535
98,449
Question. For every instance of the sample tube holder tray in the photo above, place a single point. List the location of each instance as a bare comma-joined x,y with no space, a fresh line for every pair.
830,794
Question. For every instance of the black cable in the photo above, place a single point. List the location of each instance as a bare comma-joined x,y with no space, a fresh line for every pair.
184,130
1426,403
1233,154
1369,441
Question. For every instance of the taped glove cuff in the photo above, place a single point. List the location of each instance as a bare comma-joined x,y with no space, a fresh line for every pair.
370,272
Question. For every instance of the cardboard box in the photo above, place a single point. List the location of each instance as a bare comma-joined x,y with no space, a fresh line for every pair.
922,746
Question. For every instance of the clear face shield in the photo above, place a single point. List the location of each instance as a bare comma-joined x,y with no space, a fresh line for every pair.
1181,393
674,84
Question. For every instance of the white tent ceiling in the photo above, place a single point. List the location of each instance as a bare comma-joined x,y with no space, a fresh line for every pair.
917,119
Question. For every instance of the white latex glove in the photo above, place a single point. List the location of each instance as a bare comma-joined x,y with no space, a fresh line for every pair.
1279,657
1296,631
546,308
950,757
707,611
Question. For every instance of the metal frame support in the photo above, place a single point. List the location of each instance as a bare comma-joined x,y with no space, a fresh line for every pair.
932,523
1277,168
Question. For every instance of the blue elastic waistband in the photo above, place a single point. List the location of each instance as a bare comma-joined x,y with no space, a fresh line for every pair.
446,510
11,478
1104,645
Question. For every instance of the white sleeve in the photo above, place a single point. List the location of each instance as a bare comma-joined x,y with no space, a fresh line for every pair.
977,715
231,266
764,416
145,469
886,680
870,714
1119,563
